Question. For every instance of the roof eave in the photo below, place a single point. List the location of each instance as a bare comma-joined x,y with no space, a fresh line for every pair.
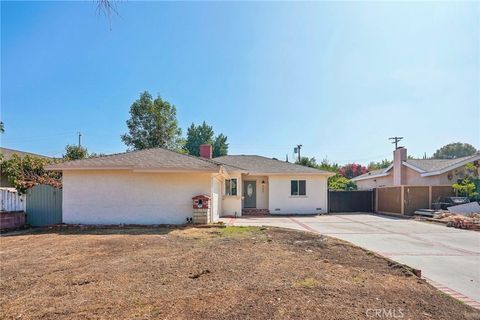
66,168
371,177
388,168
253,173
133,169
162,170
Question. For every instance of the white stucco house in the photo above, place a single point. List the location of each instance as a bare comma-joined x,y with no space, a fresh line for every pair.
156,186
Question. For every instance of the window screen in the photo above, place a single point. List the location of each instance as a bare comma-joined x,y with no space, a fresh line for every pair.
298,188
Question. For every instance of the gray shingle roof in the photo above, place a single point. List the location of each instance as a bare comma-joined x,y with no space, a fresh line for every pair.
156,158
259,164
371,173
8,153
435,164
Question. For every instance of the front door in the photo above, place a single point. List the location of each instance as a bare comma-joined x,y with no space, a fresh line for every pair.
250,194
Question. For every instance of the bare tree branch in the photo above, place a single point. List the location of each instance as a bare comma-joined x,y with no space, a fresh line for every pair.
108,8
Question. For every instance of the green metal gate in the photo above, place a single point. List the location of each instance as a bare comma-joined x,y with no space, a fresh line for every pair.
44,205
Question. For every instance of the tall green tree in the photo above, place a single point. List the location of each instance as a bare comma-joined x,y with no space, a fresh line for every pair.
204,134
152,123
220,146
74,152
454,150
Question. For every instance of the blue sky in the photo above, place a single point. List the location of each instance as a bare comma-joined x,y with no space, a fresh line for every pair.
339,78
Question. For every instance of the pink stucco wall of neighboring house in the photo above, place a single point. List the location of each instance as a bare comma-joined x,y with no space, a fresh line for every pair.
376,182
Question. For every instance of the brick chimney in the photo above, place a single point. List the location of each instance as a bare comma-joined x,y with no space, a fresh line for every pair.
206,151
399,155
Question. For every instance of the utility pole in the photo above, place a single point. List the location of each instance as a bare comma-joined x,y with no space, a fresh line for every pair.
297,150
79,139
396,140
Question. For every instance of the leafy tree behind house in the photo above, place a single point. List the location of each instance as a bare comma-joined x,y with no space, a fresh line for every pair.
152,123
338,182
352,170
307,162
204,134
28,171
325,164
328,166
385,163
454,150
74,152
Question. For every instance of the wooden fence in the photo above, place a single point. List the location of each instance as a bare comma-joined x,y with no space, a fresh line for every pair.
388,200
406,199
11,200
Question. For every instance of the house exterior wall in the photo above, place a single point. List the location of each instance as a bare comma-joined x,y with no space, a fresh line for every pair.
114,197
375,182
232,205
281,202
414,178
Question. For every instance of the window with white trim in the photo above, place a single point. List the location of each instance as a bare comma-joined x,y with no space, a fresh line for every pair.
231,187
298,188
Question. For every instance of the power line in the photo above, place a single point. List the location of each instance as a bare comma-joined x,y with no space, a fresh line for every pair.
396,140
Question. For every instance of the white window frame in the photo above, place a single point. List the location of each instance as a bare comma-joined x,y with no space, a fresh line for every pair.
228,187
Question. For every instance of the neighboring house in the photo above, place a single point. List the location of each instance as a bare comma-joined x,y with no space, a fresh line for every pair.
7,155
417,172
156,186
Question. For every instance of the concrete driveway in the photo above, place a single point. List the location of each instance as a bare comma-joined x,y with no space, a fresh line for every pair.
449,258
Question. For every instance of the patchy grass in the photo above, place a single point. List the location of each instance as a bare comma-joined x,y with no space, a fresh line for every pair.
240,231
306,283
205,273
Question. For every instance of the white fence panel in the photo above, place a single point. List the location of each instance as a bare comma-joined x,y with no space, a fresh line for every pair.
11,200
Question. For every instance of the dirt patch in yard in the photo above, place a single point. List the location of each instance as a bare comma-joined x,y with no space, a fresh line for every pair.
216,273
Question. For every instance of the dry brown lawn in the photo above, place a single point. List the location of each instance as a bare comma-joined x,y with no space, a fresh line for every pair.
216,273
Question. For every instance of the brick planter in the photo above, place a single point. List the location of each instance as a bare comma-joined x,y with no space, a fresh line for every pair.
12,220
